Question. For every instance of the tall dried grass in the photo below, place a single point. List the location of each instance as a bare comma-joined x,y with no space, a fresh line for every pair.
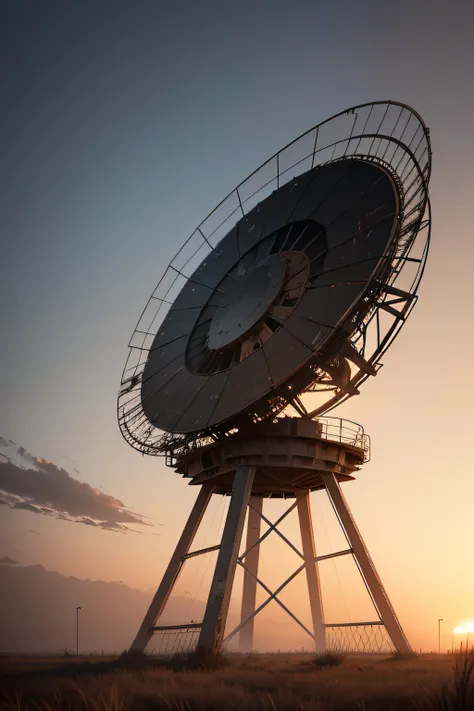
456,694
253,683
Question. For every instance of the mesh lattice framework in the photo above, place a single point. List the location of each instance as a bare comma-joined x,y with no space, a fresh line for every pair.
168,642
362,638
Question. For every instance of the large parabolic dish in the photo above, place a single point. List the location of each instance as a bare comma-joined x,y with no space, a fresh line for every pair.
296,283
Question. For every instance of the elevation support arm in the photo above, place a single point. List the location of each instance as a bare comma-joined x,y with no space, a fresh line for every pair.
213,624
173,570
366,566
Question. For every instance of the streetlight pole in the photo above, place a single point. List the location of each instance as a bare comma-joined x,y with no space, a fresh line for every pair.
77,630
440,620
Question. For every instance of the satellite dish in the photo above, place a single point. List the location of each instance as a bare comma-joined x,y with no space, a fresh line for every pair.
297,282
283,300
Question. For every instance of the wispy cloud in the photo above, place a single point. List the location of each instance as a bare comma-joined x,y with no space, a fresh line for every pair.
6,560
34,484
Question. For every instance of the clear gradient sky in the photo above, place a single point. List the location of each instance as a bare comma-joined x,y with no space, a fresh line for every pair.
123,124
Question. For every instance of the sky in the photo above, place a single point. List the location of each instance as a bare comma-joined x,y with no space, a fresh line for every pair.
123,125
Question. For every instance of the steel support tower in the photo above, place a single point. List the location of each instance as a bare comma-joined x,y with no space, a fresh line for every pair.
288,458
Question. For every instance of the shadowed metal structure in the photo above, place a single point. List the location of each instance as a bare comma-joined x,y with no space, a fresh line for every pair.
283,300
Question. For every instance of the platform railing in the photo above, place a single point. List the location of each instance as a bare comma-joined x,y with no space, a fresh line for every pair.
338,429
333,429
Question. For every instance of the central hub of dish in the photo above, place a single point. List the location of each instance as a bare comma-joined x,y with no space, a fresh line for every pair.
247,301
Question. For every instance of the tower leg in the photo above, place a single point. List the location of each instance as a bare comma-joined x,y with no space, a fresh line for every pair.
213,625
380,597
173,570
312,572
249,594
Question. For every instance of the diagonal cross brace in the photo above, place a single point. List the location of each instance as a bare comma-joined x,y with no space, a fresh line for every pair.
279,533
273,527
273,595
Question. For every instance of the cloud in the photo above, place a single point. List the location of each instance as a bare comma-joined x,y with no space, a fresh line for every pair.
36,485
6,560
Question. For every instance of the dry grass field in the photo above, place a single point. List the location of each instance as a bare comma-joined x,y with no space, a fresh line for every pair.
273,682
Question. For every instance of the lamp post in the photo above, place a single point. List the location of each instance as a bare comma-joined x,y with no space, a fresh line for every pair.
77,630
440,620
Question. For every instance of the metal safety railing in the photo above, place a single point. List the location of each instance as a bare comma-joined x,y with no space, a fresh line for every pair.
337,429
359,637
169,640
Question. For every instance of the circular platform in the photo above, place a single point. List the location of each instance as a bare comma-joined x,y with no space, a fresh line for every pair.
289,454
